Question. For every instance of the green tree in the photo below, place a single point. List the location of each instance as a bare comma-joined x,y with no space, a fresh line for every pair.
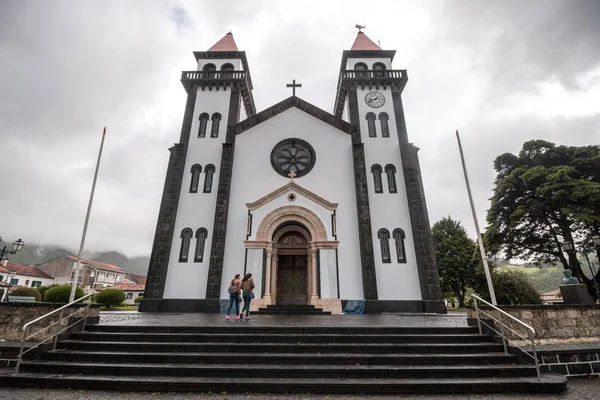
27,291
512,287
110,297
61,294
546,195
454,252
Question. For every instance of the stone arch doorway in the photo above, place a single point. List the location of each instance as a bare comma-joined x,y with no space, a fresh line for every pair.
291,246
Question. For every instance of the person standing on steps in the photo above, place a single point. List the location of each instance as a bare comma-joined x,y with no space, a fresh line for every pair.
248,294
234,296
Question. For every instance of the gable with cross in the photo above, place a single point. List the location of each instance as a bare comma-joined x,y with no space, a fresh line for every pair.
294,85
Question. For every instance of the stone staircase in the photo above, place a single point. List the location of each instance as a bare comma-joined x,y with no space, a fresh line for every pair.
245,358
277,309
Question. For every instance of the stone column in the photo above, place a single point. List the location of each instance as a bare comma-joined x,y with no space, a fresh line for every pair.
308,275
314,295
267,298
274,269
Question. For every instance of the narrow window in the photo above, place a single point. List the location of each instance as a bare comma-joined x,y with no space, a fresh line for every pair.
209,172
385,129
200,240
202,126
400,249
360,67
378,70
371,125
186,237
195,171
377,171
384,241
390,171
216,119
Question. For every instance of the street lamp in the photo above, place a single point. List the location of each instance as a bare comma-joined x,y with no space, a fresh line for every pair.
568,246
16,246
596,240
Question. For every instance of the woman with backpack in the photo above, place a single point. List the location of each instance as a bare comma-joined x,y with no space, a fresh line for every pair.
234,296
248,294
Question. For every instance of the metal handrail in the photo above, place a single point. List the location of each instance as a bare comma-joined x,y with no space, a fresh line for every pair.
505,339
55,335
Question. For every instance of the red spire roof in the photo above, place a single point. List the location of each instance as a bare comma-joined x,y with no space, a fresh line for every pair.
362,42
225,44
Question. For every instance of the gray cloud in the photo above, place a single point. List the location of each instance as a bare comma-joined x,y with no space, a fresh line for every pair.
70,68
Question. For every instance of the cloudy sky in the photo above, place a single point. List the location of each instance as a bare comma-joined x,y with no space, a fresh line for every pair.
501,72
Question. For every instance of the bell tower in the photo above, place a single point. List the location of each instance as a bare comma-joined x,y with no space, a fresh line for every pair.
397,257
190,234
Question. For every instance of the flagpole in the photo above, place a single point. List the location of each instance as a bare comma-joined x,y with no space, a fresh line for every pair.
486,267
87,219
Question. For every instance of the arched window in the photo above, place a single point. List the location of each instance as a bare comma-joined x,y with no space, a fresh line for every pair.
360,67
186,237
384,241
376,170
209,70
226,70
195,171
371,125
209,172
216,119
379,69
385,129
202,126
400,249
390,171
200,240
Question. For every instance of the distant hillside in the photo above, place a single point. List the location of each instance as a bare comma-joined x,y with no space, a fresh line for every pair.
35,254
543,279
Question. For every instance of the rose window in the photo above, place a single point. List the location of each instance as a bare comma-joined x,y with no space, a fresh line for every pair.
293,155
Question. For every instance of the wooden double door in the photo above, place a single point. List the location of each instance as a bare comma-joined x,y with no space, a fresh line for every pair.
292,286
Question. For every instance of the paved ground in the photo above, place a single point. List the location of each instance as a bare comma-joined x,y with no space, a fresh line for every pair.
399,320
579,389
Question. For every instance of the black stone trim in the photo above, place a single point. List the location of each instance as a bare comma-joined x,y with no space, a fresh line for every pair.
337,272
404,306
428,273
215,55
217,253
180,305
363,210
165,225
292,101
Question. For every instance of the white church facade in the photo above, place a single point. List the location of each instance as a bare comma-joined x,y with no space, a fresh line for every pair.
321,208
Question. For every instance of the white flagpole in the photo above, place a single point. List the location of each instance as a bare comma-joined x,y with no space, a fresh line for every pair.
486,268
87,219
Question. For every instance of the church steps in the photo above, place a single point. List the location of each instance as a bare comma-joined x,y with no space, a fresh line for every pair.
281,338
548,384
288,347
282,358
281,371
247,327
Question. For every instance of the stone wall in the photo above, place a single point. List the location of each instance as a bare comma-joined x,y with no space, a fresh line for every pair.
14,315
556,323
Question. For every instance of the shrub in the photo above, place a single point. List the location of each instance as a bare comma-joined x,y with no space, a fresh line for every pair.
61,294
512,287
27,291
44,289
138,299
110,297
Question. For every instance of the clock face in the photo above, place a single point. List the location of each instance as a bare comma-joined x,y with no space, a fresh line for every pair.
375,99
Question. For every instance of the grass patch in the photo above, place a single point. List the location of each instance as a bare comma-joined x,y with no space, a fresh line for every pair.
120,308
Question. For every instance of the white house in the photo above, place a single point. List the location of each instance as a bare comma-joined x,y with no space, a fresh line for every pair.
24,275
322,208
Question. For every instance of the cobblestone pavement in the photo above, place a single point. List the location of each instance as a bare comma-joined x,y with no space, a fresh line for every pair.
134,318
578,389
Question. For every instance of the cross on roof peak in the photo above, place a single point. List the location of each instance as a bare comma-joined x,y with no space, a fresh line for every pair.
294,85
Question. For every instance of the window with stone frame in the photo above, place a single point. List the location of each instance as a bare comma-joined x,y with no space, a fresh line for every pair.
27,282
129,296
186,238
359,67
371,124
227,70
385,128
14,281
384,242
216,120
209,172
376,170
36,284
196,170
390,171
209,71
379,69
201,235
399,237
202,125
